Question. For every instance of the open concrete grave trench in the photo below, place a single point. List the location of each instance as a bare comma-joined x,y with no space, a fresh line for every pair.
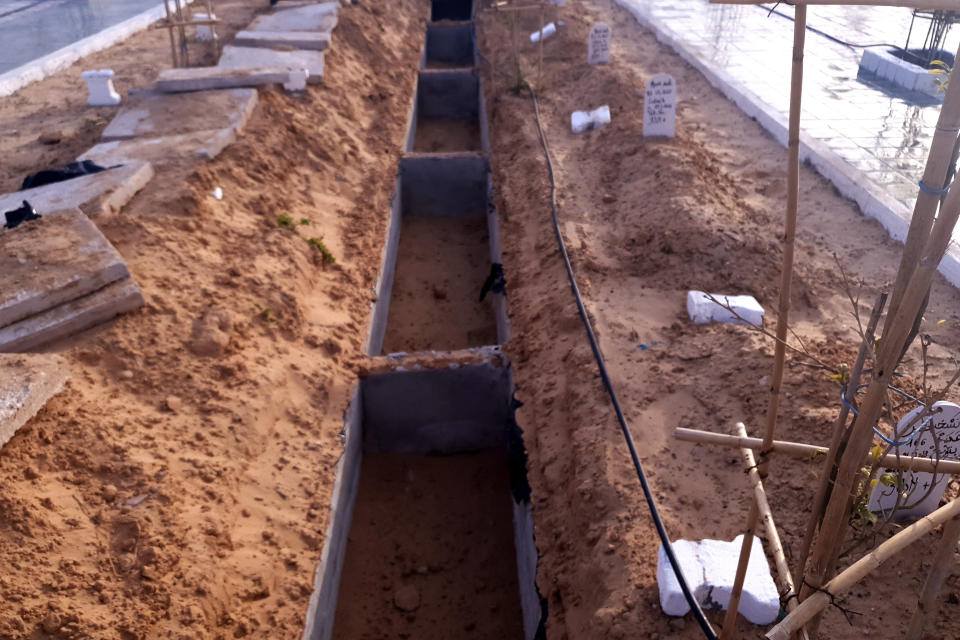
431,530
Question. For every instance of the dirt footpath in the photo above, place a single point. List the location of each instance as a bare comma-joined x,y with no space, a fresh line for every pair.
645,221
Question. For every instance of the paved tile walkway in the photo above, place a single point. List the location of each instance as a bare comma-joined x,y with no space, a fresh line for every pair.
877,128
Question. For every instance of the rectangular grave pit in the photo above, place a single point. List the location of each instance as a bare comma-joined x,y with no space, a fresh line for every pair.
450,45
426,497
444,237
456,10
448,112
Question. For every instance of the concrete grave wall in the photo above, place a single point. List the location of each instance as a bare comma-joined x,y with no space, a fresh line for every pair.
444,185
448,95
105,192
451,44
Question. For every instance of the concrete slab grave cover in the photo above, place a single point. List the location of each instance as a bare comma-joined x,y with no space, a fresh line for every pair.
162,114
450,45
163,150
71,317
27,382
313,17
252,57
205,78
316,41
105,192
58,258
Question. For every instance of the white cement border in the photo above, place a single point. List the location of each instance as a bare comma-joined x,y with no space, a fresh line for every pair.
15,79
852,183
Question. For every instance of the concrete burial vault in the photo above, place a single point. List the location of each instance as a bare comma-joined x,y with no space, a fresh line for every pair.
27,381
105,192
61,276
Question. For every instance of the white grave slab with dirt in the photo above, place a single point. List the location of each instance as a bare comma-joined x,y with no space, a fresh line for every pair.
252,57
61,275
27,382
162,114
938,438
660,107
314,17
162,150
598,45
315,41
98,193
206,78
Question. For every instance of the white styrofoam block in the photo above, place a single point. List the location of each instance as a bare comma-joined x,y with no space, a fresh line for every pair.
703,310
100,85
204,32
547,31
297,81
710,568
580,121
671,597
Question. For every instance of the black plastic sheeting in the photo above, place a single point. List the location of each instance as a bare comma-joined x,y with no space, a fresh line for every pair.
22,214
72,170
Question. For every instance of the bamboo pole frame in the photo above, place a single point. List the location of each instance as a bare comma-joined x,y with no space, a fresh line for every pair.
811,452
821,598
939,572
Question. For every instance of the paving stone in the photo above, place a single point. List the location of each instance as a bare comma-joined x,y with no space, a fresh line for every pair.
204,78
251,57
162,150
72,317
312,17
162,114
58,258
317,41
105,192
27,382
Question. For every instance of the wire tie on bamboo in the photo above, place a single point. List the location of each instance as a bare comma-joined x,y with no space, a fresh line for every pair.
833,603
932,191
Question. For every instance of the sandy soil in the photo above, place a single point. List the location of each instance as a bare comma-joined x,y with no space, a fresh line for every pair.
430,552
178,488
645,221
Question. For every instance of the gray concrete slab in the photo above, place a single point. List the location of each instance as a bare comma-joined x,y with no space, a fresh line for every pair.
206,78
58,258
251,57
99,193
312,17
163,114
72,317
163,150
27,382
313,40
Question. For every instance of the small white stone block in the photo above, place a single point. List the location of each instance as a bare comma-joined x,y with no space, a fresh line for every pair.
581,121
204,32
703,310
100,85
297,81
710,568
547,31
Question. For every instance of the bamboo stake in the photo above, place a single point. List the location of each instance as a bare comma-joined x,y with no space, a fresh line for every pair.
185,54
173,45
839,429
947,5
942,568
860,569
810,451
934,176
730,618
783,315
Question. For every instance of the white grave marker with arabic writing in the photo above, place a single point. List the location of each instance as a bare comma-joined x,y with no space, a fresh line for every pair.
945,424
660,106
598,47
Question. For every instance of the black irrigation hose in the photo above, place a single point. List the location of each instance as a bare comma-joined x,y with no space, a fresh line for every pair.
651,503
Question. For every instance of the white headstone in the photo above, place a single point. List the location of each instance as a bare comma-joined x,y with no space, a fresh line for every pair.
945,423
660,106
598,47
204,32
100,85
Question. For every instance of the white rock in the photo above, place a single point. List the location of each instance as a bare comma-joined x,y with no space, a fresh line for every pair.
217,193
100,85
297,81
710,567
581,121
204,31
703,310
547,31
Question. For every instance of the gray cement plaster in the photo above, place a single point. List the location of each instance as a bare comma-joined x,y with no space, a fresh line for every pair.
252,57
72,317
313,17
205,78
162,114
316,41
448,95
58,258
444,184
163,150
27,382
105,192
450,45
